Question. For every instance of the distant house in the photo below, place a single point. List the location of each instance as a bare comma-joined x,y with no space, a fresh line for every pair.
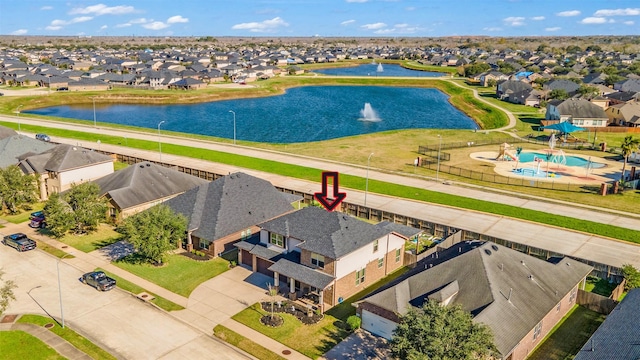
496,76
579,112
629,85
228,210
64,165
622,97
570,87
519,297
618,336
626,114
323,257
141,186
188,84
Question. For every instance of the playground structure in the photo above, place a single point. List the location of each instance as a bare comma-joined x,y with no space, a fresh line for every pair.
506,154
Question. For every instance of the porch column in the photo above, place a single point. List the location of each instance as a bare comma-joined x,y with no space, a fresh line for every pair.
292,289
254,263
321,300
189,242
239,256
276,280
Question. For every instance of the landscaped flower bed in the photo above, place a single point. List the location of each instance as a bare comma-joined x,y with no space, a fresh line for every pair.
296,310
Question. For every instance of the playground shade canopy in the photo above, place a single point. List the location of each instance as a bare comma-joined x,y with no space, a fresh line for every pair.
564,127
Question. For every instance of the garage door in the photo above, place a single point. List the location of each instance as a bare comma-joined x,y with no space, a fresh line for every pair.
377,325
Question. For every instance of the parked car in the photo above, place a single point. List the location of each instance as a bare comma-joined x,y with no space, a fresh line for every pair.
43,137
37,220
98,280
19,241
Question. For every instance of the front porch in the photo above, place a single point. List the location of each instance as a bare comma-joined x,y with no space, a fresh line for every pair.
307,286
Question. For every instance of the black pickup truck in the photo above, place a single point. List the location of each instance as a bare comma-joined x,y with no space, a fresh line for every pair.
19,242
98,280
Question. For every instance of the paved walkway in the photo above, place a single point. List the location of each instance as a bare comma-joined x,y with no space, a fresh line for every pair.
265,341
62,346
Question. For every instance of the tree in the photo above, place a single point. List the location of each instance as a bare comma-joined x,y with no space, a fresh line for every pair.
587,90
629,145
6,292
440,332
154,232
16,188
80,210
632,276
559,94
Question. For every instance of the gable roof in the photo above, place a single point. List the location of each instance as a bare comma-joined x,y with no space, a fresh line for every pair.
145,182
16,147
65,157
617,337
581,108
331,234
5,132
405,231
507,290
228,205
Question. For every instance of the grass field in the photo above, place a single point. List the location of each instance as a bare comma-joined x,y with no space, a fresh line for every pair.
179,274
80,342
89,242
241,342
567,337
23,215
18,344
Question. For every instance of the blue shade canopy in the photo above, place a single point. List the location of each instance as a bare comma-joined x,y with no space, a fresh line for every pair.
564,127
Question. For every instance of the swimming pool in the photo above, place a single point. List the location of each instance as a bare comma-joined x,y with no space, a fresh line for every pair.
526,157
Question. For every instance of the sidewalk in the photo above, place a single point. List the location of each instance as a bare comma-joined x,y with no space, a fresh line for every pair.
62,346
261,339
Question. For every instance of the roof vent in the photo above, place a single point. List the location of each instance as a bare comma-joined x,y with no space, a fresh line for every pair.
142,166
530,277
487,251
522,262
494,247
148,164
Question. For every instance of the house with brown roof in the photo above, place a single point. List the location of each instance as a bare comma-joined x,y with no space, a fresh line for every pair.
625,114
322,257
519,297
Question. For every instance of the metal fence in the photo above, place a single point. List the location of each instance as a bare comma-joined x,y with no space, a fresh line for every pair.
431,148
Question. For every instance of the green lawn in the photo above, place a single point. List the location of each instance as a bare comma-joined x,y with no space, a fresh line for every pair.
24,215
569,335
310,340
105,235
21,345
599,286
53,250
127,285
245,344
179,274
71,336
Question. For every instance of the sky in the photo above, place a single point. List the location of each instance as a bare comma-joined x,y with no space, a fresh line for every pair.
324,18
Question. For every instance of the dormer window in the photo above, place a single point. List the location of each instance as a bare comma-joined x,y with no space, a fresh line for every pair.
317,260
276,239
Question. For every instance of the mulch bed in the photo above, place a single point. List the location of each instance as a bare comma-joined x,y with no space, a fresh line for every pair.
195,257
296,310
274,321
8,319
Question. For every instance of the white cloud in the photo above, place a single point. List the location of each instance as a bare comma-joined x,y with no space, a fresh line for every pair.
103,27
46,8
123,25
139,21
19,32
356,1
264,26
569,13
537,18
401,26
593,20
628,22
155,25
102,9
374,26
347,22
384,31
618,12
53,28
58,24
551,29
514,21
492,29
177,19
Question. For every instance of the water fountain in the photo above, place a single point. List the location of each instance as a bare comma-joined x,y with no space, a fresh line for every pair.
368,113
379,69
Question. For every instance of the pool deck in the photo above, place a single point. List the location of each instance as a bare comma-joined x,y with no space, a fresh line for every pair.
566,174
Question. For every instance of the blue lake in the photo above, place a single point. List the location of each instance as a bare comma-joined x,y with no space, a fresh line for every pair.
302,114
372,70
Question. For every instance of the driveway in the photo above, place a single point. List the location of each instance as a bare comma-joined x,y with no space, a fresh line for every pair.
217,299
123,325
360,345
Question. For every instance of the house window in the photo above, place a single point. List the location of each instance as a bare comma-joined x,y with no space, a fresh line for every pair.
397,255
204,244
574,292
359,277
276,239
317,260
380,262
375,246
537,330
558,306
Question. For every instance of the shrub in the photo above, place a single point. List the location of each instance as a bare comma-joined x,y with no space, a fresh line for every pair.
354,322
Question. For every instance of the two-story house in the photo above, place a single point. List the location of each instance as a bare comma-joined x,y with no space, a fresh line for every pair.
579,112
322,257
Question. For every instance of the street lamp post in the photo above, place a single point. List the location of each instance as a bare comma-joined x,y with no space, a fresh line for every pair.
234,126
60,287
439,148
18,113
366,183
94,112
159,142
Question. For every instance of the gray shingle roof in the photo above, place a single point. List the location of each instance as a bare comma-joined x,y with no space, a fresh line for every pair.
494,284
145,182
403,230
580,108
66,157
332,234
228,205
619,335
302,273
16,147
5,132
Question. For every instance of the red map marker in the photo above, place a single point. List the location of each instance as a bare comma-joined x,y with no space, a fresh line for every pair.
330,203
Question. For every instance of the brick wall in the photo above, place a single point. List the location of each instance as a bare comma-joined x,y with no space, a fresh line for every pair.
329,264
346,286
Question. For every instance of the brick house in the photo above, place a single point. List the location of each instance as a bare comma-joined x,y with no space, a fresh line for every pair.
519,297
579,112
323,257
228,210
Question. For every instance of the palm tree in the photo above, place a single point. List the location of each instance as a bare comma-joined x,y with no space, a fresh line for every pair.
629,145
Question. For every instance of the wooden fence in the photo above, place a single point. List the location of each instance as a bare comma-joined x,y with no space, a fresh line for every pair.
595,302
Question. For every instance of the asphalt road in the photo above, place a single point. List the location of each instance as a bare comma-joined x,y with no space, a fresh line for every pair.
120,323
